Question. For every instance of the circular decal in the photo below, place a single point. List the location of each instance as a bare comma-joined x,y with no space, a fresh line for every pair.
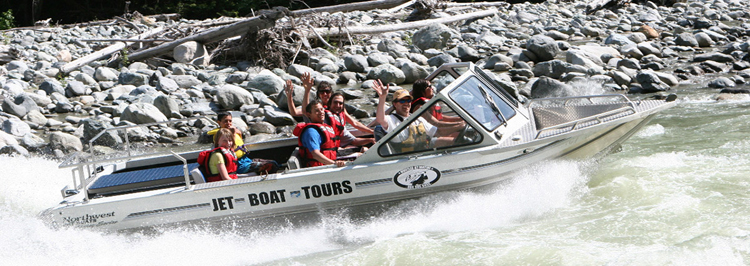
414,177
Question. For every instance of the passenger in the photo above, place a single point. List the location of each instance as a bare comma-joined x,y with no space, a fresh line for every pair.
222,163
420,131
323,95
318,141
423,88
338,117
244,163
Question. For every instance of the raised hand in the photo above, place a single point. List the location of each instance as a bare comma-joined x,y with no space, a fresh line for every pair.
307,81
289,88
380,89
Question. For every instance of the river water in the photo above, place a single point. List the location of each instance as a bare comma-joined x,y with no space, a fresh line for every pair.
677,193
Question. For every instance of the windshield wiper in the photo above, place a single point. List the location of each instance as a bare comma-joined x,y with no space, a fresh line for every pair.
492,103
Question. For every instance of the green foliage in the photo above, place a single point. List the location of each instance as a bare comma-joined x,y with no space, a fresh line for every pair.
6,20
124,61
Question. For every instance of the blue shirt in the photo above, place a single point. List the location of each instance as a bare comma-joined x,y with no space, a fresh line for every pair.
311,139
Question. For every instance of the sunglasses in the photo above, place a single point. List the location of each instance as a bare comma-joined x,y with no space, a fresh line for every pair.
325,91
402,101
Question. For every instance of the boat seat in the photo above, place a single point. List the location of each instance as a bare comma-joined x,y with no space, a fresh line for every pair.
140,180
293,162
197,176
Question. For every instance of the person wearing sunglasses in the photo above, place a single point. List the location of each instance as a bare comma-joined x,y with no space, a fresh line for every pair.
323,94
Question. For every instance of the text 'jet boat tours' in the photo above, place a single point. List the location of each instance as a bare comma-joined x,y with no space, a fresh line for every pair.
500,135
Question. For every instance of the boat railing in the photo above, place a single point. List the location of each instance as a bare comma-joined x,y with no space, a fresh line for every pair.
567,101
627,108
85,167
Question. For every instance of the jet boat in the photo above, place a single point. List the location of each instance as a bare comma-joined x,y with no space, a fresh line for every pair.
502,133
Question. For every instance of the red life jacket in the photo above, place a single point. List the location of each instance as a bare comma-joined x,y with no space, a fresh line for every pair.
230,162
328,145
336,121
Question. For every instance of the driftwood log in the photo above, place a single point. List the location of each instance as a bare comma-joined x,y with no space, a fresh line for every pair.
335,32
69,67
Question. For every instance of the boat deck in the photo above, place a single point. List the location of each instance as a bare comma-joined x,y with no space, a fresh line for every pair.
143,179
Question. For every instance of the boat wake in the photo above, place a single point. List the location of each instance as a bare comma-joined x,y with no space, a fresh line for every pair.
531,194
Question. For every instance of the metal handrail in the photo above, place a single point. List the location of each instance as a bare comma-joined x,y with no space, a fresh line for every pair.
574,124
589,97
184,169
67,161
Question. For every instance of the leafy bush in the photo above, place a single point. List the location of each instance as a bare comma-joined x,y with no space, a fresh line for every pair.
6,20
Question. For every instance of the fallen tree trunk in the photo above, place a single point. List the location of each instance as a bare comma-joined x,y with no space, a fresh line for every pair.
69,67
264,21
335,32
595,5
367,5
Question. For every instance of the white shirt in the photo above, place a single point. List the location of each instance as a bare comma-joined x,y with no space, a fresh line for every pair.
393,122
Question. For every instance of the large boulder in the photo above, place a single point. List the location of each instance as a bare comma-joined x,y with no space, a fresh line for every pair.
185,81
441,59
267,82
130,78
16,127
545,48
92,127
413,72
233,97
65,142
277,117
387,73
546,87
52,85
433,36
166,85
553,69
105,74
167,106
686,39
191,53
142,113
392,48
20,105
650,82
355,63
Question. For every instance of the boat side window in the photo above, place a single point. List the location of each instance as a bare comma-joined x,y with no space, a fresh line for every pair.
482,103
434,128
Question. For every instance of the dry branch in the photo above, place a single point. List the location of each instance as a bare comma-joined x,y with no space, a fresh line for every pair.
67,68
334,32
367,5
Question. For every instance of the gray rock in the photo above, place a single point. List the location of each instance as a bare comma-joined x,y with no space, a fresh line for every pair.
637,37
105,74
629,63
721,82
191,53
236,77
19,106
297,70
496,58
185,81
14,150
75,88
233,97
580,57
553,69
650,82
631,50
669,79
620,77
556,35
347,76
468,54
718,57
92,127
33,142
142,113
433,36
266,82
546,87
262,128
618,39
52,85
412,72
7,139
65,142
376,59
704,40
277,117
387,73
392,48
36,117
326,65
649,48
167,106
355,63
85,78
439,60
16,127
14,87
166,85
17,66
545,48
135,79
686,39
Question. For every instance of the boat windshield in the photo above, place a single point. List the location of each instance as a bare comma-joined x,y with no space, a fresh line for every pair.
436,127
483,104
441,80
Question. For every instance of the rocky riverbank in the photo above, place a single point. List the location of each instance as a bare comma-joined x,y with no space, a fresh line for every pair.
538,50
